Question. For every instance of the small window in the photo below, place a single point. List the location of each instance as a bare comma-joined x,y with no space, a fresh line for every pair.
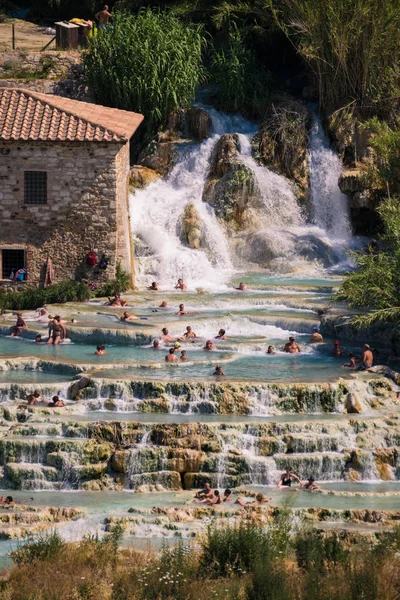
35,189
12,261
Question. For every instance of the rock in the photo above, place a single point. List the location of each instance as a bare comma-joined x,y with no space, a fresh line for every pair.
281,143
77,386
140,177
225,153
354,183
352,404
176,121
192,227
119,460
234,195
198,123
160,157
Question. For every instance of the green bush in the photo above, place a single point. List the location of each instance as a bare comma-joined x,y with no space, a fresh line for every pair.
242,83
31,298
351,46
121,283
148,63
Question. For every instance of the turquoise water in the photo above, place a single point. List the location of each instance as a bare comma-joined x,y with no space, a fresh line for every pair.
26,376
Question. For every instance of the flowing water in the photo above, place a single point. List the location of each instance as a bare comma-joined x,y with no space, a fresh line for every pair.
142,422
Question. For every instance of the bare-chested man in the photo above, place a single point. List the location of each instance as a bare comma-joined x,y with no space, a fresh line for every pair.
103,17
171,357
292,346
367,358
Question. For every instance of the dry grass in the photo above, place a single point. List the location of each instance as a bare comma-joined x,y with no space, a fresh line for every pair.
28,36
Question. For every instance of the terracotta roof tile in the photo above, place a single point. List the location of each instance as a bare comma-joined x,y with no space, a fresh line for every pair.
30,116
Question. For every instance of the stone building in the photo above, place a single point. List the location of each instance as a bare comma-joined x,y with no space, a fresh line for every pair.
64,169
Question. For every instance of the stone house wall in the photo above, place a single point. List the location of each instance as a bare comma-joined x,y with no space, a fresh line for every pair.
86,203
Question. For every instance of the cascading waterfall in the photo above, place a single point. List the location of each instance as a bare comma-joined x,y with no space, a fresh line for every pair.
283,233
330,206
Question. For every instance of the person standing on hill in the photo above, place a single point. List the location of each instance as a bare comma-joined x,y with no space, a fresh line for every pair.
103,17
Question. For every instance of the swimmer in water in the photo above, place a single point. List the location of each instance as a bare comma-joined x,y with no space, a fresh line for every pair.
33,398
171,357
101,350
316,337
163,304
153,287
221,335
182,310
259,499
127,317
166,336
184,355
56,402
218,370
180,285
156,345
310,485
286,479
189,333
271,350
209,346
352,361
336,352
38,339
292,347
19,326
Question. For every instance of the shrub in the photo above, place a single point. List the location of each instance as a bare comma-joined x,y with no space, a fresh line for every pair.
149,63
242,83
46,547
31,298
121,283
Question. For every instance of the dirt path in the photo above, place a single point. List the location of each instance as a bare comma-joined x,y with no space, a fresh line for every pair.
27,36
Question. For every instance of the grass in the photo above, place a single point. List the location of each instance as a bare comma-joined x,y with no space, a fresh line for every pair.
245,562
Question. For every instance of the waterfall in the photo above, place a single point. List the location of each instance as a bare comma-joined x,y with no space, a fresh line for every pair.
283,239
330,206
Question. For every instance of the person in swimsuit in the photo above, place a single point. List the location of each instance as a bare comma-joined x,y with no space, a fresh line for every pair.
100,350
310,485
352,361
367,358
180,285
227,496
184,355
189,333
316,337
209,346
38,339
153,287
182,310
33,398
163,304
206,492
286,479
336,352
271,350
292,347
7,500
221,335
56,402
216,499
166,336
156,345
171,356
259,499
19,326
127,317
241,287
218,370
57,331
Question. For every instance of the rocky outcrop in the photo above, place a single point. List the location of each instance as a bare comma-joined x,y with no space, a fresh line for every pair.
160,156
231,188
140,177
281,143
192,227
194,122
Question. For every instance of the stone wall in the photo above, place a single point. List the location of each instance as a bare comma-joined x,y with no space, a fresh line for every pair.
83,210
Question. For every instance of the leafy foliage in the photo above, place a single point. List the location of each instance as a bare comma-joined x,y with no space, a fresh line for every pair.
242,83
352,47
46,547
149,63
386,142
121,283
32,298
375,284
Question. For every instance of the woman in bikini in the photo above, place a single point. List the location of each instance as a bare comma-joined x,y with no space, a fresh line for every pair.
19,326
57,331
